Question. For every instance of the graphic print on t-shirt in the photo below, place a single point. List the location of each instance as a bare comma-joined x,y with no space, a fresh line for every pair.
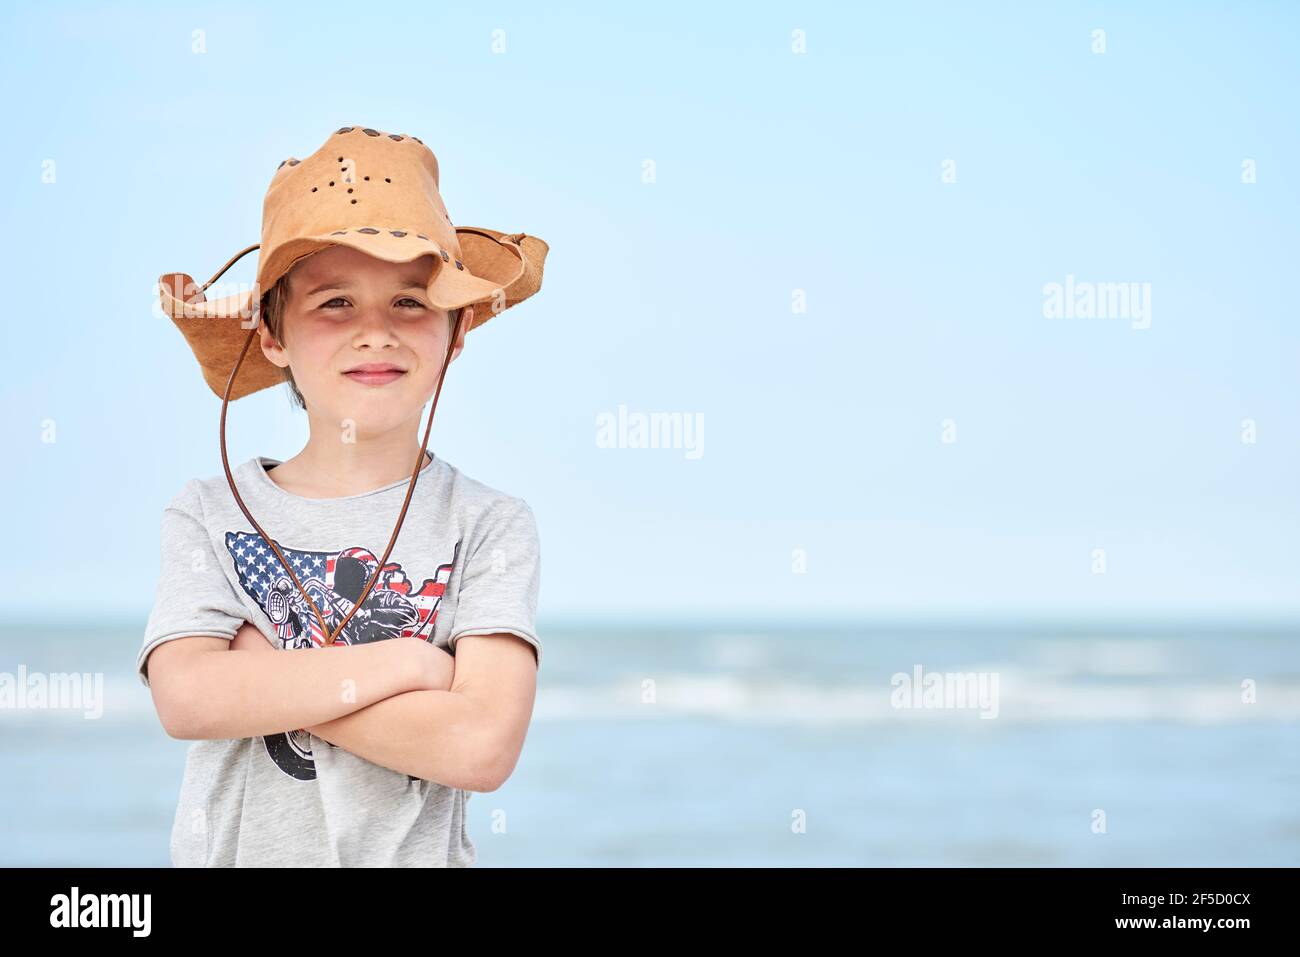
396,607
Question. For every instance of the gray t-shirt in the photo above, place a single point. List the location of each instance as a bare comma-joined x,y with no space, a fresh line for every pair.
467,562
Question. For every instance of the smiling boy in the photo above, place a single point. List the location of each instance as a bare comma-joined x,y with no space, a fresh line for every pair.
346,696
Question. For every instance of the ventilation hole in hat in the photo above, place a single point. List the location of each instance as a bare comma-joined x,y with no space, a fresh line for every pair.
340,159
367,230
367,179
294,162
354,202
387,180
418,140
370,132
445,257
397,232
349,189
339,232
346,129
282,162
459,264
422,236
331,182
313,189
395,136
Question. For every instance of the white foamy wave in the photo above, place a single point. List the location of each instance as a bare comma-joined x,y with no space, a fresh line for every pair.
738,650
1105,656
1022,697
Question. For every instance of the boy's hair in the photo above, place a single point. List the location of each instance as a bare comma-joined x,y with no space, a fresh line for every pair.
272,313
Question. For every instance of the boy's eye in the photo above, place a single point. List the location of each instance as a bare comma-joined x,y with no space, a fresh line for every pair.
406,302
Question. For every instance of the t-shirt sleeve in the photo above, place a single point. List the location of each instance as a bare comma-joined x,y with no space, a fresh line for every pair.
194,597
501,578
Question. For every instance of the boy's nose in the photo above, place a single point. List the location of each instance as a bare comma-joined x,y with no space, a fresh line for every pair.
374,322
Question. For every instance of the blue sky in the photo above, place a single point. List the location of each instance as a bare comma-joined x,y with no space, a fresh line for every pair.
775,171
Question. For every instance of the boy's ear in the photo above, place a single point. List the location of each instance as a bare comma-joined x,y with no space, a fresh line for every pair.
273,351
466,317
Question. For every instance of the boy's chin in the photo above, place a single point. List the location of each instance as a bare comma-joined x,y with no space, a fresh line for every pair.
372,412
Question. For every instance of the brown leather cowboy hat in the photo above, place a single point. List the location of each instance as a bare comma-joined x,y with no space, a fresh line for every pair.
376,192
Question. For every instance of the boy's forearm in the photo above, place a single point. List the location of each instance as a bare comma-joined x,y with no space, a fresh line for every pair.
441,736
244,694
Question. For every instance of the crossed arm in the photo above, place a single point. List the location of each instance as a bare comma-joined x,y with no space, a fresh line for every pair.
463,727
468,736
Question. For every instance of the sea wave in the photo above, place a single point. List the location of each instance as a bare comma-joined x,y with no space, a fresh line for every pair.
1020,696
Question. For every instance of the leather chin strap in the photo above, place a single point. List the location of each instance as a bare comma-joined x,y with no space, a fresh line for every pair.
410,490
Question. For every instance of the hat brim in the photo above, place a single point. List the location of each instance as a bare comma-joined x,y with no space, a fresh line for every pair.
496,271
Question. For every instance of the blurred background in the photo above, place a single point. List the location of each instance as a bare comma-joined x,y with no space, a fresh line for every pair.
828,240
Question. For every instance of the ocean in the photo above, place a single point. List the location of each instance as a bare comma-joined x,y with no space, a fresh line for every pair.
876,744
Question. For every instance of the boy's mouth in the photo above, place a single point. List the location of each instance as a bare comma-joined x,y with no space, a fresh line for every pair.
375,373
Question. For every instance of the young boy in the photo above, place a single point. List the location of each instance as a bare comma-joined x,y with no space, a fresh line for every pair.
318,741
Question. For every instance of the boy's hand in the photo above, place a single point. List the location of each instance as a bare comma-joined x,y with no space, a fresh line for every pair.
436,668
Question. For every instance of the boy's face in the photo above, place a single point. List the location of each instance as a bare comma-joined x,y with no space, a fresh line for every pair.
347,309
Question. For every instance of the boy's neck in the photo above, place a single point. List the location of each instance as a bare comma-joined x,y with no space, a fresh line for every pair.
336,469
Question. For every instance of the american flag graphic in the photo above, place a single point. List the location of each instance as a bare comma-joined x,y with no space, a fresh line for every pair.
395,607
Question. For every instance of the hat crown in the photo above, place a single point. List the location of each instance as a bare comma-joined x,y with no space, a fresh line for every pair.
359,179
